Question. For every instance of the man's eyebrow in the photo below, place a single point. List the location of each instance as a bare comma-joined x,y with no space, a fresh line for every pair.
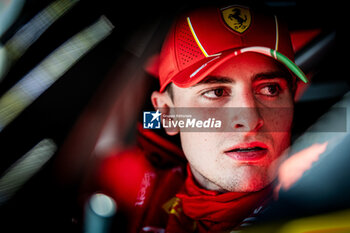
260,76
271,75
214,79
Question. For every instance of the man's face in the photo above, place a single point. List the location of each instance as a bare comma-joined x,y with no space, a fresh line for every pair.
244,159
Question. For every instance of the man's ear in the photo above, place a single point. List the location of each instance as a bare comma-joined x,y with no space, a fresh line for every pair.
163,103
161,100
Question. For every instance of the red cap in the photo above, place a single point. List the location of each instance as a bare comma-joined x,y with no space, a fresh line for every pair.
202,40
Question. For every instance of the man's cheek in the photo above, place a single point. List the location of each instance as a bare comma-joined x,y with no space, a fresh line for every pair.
277,119
197,146
282,143
191,144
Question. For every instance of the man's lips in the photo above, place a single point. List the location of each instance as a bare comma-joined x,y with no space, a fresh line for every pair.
248,152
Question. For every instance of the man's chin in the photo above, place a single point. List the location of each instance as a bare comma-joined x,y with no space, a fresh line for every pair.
248,185
253,188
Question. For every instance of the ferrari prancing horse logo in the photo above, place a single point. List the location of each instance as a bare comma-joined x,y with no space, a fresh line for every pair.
237,18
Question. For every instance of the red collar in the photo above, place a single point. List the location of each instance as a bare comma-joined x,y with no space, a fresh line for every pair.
212,208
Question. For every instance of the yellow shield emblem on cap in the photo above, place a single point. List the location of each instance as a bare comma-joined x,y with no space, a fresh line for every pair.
237,18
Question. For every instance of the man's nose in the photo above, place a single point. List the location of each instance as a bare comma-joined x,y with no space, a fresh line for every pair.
246,115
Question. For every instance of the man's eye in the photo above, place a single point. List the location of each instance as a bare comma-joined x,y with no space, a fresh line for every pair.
270,90
215,93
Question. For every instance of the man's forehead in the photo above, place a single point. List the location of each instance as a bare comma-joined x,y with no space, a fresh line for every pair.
250,66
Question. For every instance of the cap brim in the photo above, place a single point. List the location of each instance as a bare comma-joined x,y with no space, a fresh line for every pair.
198,71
